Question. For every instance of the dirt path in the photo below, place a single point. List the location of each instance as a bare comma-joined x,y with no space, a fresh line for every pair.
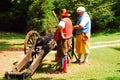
105,44
7,60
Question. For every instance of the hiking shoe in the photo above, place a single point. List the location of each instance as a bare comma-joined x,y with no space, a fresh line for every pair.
84,62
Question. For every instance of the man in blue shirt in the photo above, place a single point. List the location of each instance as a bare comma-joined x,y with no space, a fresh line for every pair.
82,32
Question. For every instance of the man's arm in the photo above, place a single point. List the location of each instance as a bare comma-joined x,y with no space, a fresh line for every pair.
61,25
78,27
82,23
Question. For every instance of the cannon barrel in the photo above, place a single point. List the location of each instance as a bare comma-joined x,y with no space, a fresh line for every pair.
44,40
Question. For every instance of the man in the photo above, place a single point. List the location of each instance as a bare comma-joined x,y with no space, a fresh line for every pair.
63,37
82,32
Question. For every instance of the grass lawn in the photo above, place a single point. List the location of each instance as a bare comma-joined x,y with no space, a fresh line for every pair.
11,40
104,65
104,62
105,37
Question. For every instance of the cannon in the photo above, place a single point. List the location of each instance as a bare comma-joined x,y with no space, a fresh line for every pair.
36,47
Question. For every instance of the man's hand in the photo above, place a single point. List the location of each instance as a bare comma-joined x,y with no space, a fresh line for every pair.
78,27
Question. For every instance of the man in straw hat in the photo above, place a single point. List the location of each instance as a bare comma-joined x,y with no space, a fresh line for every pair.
64,39
82,32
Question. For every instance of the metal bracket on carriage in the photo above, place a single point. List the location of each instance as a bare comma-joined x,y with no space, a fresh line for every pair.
52,44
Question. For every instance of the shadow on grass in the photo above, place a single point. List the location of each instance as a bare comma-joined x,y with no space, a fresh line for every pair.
108,78
118,63
116,48
46,68
5,46
44,78
9,36
118,70
112,78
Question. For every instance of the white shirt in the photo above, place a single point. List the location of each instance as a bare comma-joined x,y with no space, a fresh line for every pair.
62,24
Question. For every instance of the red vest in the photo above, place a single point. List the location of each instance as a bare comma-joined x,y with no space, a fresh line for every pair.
68,29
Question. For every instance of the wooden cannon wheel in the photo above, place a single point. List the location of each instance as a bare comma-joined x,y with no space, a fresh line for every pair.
30,39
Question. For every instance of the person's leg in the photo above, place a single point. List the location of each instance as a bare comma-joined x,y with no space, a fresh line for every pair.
59,55
79,58
65,47
87,48
65,64
85,58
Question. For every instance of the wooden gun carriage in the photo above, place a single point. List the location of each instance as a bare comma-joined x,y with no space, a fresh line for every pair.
36,47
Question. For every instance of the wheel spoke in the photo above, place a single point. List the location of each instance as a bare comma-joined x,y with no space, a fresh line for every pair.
30,39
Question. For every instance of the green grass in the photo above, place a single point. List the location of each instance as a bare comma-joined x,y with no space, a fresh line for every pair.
16,40
104,65
104,62
9,36
105,37
11,40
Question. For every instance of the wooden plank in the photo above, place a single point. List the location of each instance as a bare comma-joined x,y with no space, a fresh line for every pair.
36,62
23,61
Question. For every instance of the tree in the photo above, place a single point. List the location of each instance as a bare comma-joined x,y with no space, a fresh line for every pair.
116,23
13,16
40,16
24,15
101,14
100,11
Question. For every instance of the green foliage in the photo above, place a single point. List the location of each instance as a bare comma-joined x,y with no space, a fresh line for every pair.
11,41
102,14
24,15
100,11
116,9
40,12
70,5
13,17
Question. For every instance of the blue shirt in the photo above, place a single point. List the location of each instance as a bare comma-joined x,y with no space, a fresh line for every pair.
85,22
